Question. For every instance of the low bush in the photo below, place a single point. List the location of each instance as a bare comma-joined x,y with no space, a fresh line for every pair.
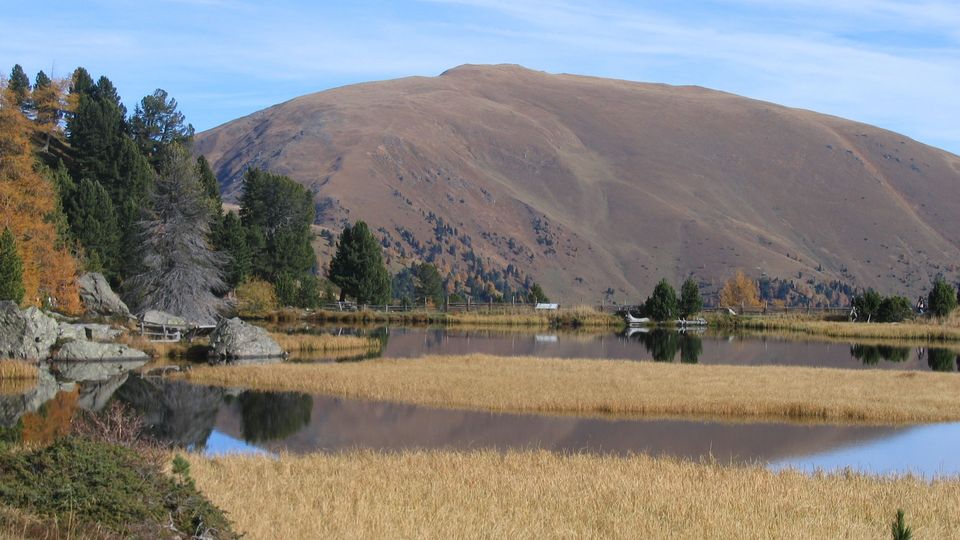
110,486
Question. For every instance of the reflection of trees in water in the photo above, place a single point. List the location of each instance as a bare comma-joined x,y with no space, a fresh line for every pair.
690,348
942,359
871,354
269,416
663,345
173,411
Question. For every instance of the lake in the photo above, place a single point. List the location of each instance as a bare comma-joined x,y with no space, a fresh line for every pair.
659,345
217,421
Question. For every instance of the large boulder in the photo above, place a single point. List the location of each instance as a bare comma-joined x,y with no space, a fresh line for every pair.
234,339
91,351
26,334
88,331
162,318
98,298
93,370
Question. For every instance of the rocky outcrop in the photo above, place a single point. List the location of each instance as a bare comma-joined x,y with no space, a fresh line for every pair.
91,351
26,334
162,318
98,298
235,339
91,371
88,331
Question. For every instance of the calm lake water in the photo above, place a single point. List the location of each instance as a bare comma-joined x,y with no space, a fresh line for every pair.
660,345
220,422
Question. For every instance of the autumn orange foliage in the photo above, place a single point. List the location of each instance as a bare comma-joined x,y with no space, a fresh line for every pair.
27,204
52,421
740,291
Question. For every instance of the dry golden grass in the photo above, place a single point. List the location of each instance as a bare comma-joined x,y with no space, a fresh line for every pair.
492,317
617,387
196,349
322,343
545,495
929,331
18,370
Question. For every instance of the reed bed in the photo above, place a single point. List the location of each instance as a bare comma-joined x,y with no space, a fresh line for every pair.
323,343
570,317
605,387
18,370
931,331
195,350
536,494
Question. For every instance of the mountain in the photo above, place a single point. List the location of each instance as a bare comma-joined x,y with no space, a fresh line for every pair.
589,185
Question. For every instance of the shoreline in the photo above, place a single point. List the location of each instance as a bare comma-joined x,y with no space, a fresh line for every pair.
616,388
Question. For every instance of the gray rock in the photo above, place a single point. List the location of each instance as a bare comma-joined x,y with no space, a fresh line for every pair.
92,351
235,339
162,318
98,298
72,332
88,332
88,371
26,334
100,332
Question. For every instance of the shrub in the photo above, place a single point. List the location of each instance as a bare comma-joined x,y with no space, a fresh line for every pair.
255,298
899,528
108,485
894,309
942,299
867,304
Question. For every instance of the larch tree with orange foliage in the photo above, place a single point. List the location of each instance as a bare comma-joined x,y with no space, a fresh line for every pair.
740,291
28,203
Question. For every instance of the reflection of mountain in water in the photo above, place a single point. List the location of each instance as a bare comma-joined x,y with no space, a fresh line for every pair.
176,412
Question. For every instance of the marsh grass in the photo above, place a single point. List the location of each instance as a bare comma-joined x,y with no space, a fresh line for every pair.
613,387
949,330
195,350
11,370
574,317
17,377
533,494
323,343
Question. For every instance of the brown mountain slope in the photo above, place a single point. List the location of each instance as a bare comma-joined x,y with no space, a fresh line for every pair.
586,184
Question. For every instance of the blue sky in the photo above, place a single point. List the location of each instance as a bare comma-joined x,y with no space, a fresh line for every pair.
892,63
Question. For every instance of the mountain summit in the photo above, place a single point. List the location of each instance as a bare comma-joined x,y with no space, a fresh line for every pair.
502,175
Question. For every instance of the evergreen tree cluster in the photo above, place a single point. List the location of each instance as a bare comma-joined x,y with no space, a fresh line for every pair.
664,304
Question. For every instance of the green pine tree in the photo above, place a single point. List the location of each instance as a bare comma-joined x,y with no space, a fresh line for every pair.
428,284
19,84
691,302
942,299
277,213
537,295
157,124
232,239
209,182
357,267
11,269
662,304
95,226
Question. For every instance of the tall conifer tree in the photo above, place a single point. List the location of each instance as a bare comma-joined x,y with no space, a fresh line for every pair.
357,267
11,269
180,272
